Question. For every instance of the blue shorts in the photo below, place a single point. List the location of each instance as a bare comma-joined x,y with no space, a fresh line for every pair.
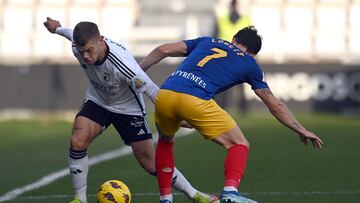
131,128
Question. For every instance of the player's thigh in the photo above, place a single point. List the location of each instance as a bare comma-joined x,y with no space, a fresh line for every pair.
166,119
84,132
206,116
131,128
89,123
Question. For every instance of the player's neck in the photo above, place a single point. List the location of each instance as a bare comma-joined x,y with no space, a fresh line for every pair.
104,53
242,48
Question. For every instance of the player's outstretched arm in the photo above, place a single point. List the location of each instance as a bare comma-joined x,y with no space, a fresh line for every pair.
54,26
282,113
51,25
170,49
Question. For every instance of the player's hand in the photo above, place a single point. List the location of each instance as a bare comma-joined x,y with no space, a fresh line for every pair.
51,24
185,124
317,142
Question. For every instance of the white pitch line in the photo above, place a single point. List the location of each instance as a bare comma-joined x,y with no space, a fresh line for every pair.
123,151
343,192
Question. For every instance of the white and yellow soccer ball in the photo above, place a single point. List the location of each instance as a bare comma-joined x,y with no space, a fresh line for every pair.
113,191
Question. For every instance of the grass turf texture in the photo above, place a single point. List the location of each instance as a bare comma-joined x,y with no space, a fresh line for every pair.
280,168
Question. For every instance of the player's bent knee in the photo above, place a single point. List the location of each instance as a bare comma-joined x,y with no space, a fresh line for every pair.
78,143
228,141
245,142
231,144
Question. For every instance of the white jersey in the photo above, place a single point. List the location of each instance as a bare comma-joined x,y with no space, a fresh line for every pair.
117,83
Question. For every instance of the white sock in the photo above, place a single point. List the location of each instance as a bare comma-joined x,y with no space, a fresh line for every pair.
164,197
180,183
230,188
79,169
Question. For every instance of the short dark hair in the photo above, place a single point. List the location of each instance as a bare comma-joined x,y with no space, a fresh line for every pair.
85,31
249,38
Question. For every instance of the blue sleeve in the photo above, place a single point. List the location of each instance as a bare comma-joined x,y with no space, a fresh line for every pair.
257,78
190,45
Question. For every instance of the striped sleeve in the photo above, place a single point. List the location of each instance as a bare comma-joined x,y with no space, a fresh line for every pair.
121,66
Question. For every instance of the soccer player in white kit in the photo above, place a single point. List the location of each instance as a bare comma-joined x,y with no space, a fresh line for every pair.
114,96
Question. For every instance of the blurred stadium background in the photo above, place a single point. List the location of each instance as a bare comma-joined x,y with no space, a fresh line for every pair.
311,56
315,44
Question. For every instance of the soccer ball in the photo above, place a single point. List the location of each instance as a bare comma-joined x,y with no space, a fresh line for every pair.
113,191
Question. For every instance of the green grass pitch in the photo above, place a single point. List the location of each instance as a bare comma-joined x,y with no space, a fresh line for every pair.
280,168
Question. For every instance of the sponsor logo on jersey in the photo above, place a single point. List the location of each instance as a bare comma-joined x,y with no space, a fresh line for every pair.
190,76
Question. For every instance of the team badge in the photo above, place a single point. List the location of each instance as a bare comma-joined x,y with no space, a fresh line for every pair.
139,83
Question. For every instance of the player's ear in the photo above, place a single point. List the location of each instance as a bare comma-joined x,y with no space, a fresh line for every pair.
233,41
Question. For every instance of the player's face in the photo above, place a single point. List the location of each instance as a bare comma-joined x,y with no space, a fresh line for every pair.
91,52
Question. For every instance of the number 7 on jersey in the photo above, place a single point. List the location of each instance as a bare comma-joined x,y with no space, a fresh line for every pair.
219,54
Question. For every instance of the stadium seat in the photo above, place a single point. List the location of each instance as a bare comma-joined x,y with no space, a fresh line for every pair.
14,19
333,2
15,45
198,6
87,2
83,13
47,45
297,46
120,1
298,26
354,32
267,21
153,33
330,45
354,17
298,19
300,2
330,34
270,2
272,48
354,41
330,17
52,2
20,2
112,26
266,18
54,12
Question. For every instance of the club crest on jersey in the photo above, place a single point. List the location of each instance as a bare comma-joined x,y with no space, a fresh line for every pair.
106,77
139,83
